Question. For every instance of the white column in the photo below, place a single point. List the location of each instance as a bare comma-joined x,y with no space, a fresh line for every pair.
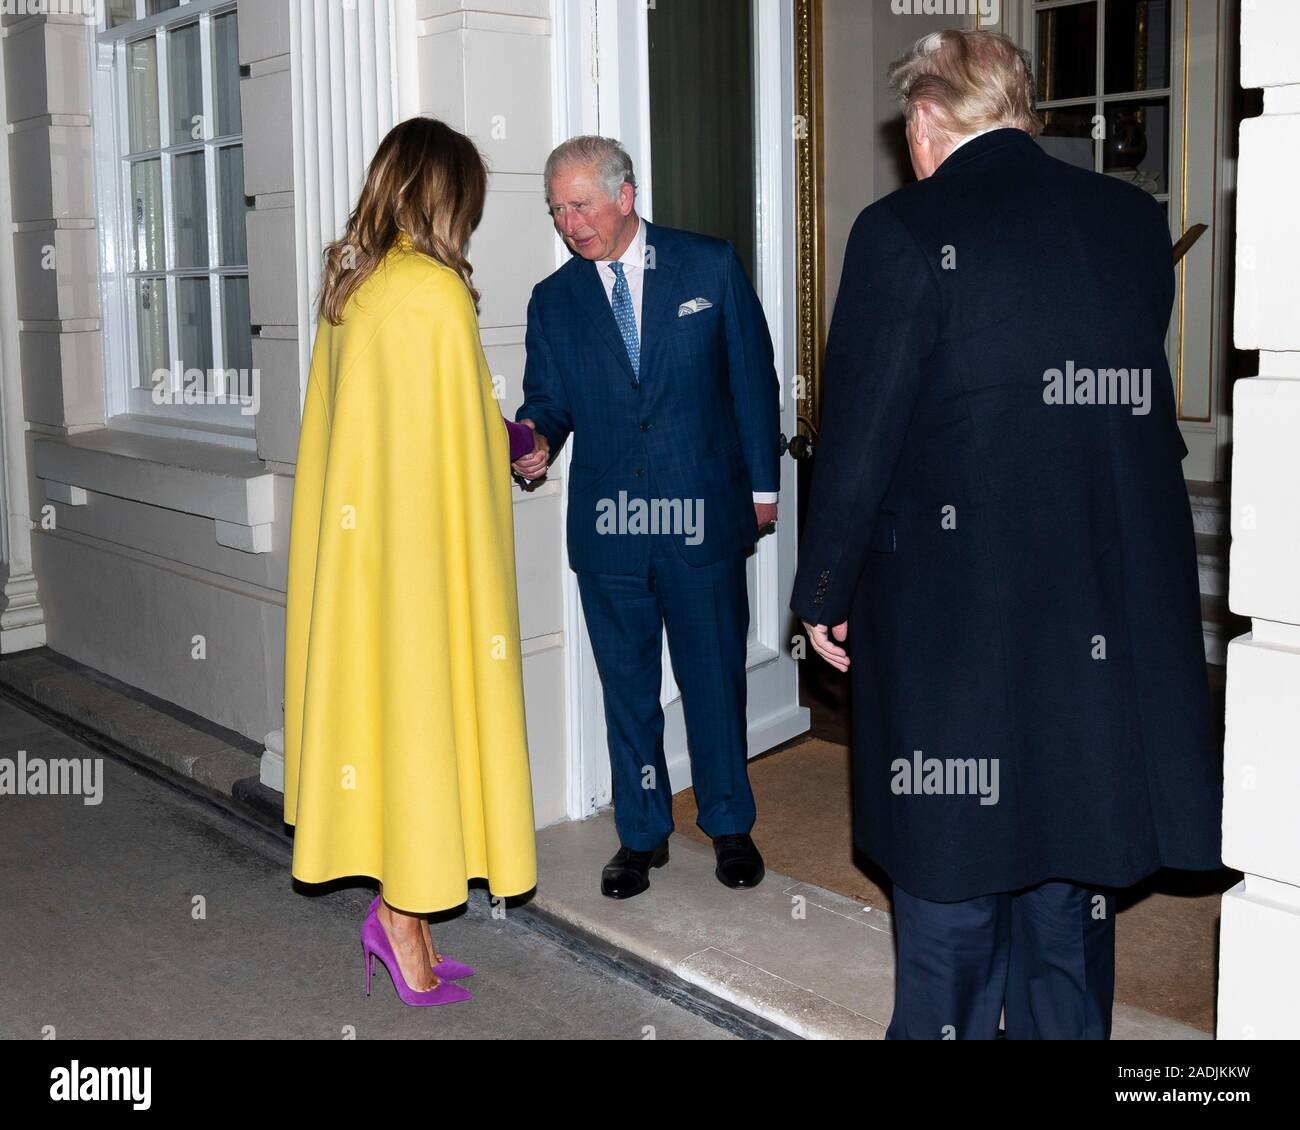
344,60
22,620
352,78
1259,957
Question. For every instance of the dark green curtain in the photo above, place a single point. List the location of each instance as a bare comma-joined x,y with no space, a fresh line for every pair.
702,119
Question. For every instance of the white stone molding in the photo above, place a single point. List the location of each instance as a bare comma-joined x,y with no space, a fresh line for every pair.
345,97
1259,948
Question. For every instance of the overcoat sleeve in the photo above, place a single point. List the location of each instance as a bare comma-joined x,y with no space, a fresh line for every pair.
886,322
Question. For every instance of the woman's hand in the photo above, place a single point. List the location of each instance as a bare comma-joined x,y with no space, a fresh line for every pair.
534,464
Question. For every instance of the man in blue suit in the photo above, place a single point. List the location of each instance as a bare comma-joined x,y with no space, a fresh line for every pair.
999,548
651,349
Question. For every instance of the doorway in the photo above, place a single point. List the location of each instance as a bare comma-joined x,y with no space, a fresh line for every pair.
660,78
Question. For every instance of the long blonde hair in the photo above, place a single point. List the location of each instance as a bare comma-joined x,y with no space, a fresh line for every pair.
425,180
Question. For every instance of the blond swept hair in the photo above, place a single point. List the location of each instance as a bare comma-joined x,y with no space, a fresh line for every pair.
971,81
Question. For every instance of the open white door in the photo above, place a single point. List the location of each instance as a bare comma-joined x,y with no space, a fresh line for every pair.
603,78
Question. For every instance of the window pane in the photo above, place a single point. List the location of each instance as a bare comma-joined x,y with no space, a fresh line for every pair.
194,326
237,334
120,12
147,214
1137,143
151,329
153,7
1137,45
1067,135
185,70
234,210
190,202
142,94
225,74
1067,52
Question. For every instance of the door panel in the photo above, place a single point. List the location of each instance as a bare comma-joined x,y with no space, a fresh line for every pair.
663,80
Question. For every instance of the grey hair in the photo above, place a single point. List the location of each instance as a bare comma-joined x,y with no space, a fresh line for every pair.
611,161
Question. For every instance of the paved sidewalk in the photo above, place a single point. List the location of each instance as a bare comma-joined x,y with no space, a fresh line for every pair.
153,915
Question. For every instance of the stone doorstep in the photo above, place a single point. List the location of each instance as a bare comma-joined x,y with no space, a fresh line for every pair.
1210,518
787,959
1209,503
812,962
92,702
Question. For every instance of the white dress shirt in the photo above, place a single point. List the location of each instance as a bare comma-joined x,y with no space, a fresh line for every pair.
633,260
970,137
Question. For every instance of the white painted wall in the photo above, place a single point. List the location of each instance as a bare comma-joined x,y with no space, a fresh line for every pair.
1259,952
864,153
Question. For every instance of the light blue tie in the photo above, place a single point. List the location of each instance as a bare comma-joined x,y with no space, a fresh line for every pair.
625,316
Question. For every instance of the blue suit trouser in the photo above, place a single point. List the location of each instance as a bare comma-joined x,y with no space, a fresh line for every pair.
1046,955
705,611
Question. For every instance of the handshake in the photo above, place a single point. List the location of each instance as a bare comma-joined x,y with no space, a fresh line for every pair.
532,464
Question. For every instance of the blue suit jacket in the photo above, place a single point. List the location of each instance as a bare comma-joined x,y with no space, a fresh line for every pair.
702,425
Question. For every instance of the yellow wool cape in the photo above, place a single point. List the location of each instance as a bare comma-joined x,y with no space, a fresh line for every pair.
405,752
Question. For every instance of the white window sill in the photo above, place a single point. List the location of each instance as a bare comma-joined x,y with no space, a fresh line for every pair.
232,487
185,429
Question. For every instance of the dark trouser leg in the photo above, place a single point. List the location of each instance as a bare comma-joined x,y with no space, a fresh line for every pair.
706,613
626,630
1061,981
952,967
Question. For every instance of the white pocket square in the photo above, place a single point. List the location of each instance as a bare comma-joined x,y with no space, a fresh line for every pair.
694,306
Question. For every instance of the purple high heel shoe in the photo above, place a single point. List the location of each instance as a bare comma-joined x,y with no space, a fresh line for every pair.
375,944
448,968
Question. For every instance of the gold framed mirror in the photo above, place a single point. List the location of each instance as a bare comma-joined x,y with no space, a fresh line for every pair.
810,234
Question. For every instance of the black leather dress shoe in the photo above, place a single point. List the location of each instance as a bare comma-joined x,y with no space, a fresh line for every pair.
739,864
628,873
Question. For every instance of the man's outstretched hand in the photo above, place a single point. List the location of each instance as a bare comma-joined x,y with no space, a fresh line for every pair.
823,640
534,464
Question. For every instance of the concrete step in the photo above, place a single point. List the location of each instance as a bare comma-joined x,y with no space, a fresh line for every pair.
1209,507
1212,521
812,963
1212,563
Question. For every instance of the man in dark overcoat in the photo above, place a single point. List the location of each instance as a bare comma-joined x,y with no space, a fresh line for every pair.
999,549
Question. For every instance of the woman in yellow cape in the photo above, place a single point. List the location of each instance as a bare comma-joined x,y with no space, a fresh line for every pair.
405,752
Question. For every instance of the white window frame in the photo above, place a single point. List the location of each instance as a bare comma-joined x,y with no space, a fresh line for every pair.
129,406
1101,100
1202,176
